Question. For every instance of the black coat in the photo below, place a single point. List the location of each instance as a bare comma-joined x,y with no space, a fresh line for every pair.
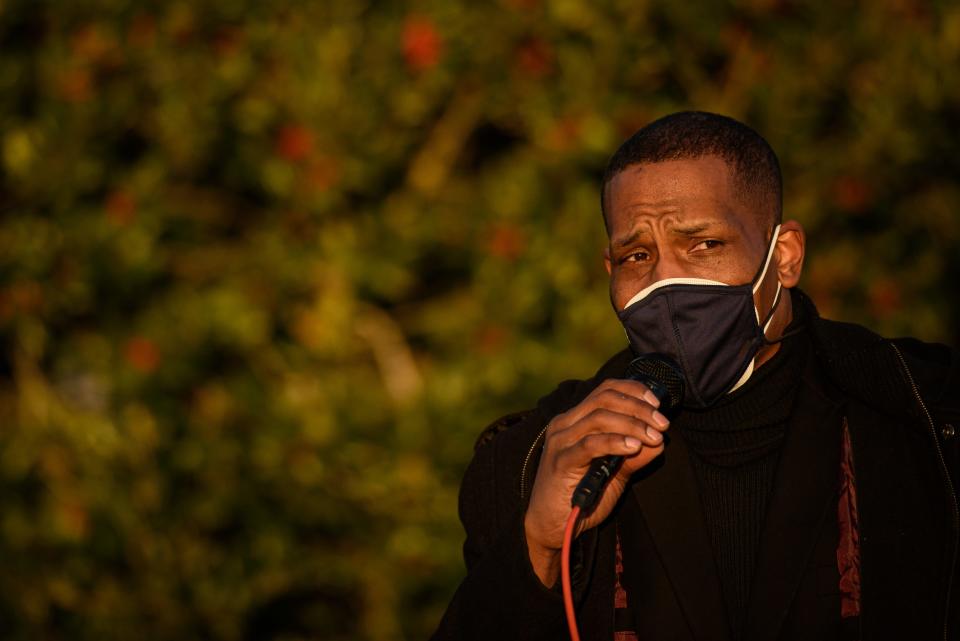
901,401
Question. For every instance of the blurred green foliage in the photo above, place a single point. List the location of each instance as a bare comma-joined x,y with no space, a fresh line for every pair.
267,268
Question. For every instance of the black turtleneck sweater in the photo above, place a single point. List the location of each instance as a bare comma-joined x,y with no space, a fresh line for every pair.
734,449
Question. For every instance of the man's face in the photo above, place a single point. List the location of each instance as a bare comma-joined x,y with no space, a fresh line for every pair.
680,218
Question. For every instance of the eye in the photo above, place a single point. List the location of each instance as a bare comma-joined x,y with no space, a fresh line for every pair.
636,257
707,244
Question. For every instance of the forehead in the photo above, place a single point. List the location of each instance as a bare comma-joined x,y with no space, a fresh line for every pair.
679,191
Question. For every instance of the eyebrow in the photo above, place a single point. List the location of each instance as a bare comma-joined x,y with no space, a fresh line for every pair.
681,230
692,230
633,236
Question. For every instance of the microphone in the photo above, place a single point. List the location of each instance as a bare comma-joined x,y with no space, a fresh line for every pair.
664,378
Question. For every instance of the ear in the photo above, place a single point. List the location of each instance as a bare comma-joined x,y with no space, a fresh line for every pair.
606,259
789,253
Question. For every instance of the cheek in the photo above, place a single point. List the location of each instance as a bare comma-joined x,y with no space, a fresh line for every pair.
729,269
623,286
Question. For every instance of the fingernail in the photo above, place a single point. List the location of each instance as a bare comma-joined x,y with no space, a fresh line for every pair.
661,420
632,443
654,434
651,398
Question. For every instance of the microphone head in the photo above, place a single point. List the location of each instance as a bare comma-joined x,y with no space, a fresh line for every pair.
662,375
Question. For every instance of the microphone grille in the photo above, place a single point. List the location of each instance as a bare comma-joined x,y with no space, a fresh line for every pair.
662,375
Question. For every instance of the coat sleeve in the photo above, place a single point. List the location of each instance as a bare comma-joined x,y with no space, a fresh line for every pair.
936,370
501,596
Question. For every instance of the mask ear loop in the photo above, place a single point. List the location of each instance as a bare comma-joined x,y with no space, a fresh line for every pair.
776,301
769,317
757,280
762,272
793,332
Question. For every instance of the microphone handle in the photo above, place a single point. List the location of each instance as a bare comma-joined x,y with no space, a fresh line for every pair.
601,469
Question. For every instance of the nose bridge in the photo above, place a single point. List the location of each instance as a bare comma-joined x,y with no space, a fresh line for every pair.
667,264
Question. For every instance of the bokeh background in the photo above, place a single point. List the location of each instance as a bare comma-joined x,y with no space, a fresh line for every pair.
268,268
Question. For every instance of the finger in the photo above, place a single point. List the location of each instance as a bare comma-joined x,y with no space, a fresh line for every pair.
621,388
636,461
603,420
629,387
628,416
630,405
578,456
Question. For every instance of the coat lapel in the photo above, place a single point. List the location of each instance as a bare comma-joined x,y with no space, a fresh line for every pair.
805,493
668,501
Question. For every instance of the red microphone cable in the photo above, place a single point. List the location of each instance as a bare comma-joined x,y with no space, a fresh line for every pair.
565,572
665,379
586,494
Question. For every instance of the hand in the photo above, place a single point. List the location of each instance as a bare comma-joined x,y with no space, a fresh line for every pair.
618,417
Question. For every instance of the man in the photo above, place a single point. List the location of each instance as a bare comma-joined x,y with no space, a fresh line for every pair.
804,489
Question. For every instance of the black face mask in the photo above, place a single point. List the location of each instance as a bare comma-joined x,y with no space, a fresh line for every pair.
713,330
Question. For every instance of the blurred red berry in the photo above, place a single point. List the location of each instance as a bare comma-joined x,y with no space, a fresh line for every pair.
851,194
74,518
422,45
491,338
20,298
885,297
90,43
322,174
506,241
142,354
535,58
75,85
565,133
228,42
142,31
121,208
294,142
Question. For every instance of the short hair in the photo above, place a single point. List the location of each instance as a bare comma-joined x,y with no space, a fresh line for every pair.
689,135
